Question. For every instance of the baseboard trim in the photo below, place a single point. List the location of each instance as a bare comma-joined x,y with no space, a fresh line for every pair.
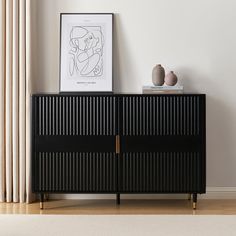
220,193
211,193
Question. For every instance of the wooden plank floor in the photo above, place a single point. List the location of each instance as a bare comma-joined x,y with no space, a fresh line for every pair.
97,207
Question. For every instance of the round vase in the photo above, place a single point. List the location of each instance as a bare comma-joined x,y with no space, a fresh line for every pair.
158,75
171,79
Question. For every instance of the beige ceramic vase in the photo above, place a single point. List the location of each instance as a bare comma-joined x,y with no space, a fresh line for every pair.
171,79
158,75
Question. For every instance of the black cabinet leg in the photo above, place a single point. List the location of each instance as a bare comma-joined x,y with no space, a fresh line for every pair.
41,200
118,199
194,201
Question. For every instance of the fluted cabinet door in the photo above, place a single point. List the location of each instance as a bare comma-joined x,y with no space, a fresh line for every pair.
118,143
162,143
73,142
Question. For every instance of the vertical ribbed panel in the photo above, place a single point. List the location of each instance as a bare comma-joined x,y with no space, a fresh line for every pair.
166,172
75,172
76,115
162,172
161,115
63,115
146,172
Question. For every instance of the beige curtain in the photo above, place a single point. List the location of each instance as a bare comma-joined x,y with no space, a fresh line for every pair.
15,101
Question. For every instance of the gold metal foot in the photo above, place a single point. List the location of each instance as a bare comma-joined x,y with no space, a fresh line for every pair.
189,196
41,205
194,205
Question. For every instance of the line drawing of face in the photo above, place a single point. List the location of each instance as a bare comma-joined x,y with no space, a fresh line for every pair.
86,51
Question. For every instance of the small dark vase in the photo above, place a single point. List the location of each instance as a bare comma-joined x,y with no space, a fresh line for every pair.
158,75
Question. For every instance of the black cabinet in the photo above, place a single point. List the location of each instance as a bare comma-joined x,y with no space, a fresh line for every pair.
118,144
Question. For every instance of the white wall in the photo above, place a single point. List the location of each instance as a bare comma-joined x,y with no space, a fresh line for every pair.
195,38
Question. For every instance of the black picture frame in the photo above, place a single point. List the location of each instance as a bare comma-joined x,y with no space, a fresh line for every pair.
76,91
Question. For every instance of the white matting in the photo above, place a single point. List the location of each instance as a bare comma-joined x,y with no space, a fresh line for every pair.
114,225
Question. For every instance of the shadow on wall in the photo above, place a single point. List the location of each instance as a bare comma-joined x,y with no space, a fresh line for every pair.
220,133
220,141
122,62
189,78
116,54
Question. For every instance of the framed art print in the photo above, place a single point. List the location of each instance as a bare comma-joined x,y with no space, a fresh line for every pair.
86,52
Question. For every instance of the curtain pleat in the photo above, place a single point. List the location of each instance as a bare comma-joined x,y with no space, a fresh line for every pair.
8,121
22,105
15,90
29,197
15,106
2,98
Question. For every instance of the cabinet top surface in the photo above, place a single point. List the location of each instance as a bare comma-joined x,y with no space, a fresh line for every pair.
114,94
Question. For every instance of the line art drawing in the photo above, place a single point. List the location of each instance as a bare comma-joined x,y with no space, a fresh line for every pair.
86,54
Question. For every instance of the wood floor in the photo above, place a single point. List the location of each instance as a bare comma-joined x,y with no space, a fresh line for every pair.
130,207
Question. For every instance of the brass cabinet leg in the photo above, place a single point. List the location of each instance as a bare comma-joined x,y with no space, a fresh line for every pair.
189,196
41,201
